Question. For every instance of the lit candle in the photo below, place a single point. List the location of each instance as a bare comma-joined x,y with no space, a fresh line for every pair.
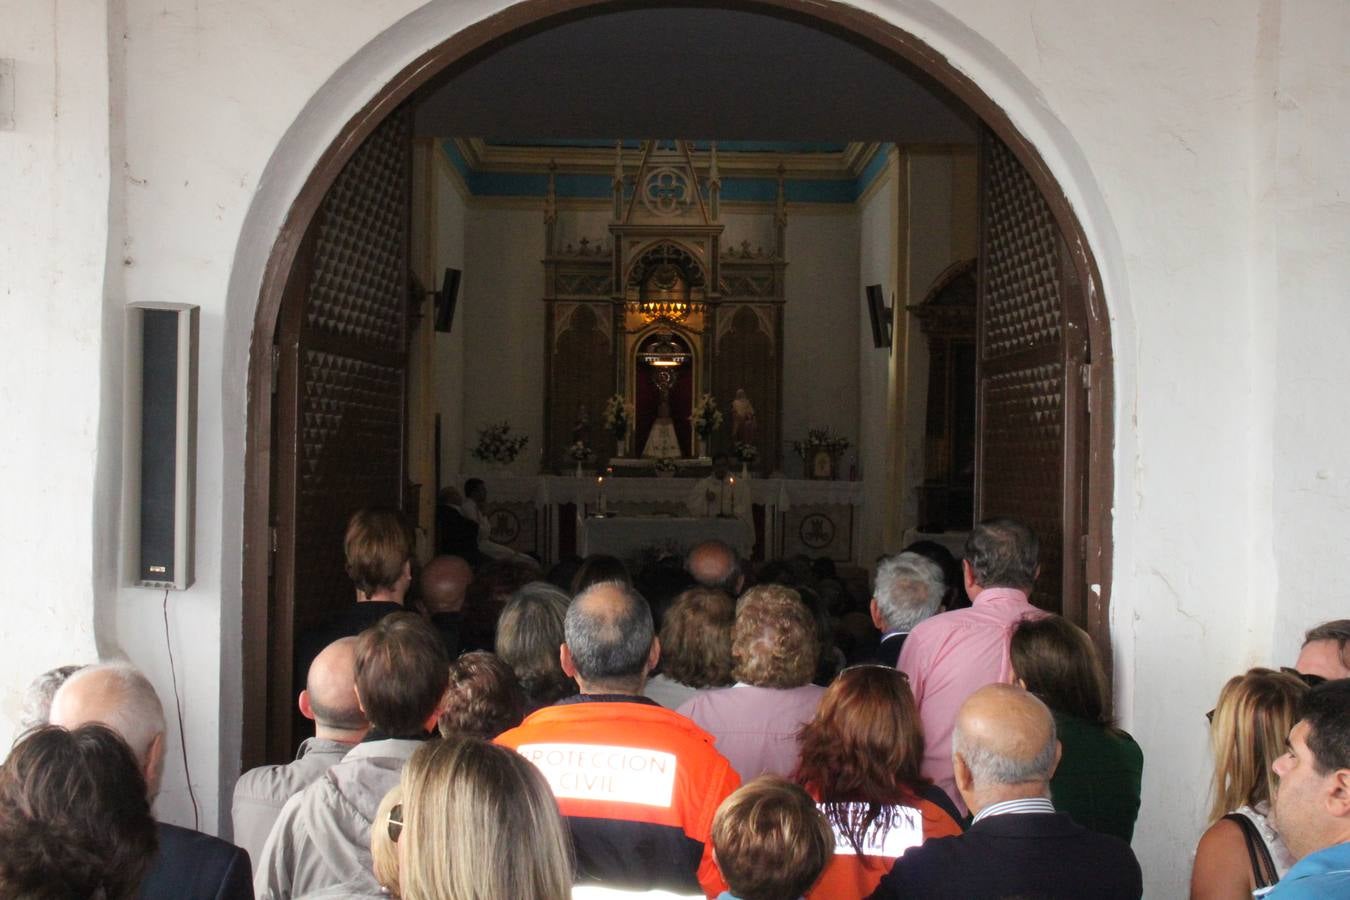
600,488
733,494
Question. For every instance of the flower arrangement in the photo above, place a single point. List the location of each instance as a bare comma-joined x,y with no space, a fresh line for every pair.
580,452
495,444
617,417
707,418
665,466
820,439
745,453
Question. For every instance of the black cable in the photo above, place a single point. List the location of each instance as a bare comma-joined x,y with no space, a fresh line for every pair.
178,705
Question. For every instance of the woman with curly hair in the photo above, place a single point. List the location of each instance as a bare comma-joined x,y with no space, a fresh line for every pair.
860,760
74,818
774,647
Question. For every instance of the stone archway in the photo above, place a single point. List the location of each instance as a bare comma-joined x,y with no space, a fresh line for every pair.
865,29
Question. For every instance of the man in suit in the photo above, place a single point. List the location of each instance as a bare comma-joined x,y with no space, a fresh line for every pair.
188,864
1004,751
906,590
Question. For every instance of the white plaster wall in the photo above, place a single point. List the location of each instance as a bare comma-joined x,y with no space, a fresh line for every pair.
1311,231
1153,115
448,370
820,324
53,234
503,317
877,239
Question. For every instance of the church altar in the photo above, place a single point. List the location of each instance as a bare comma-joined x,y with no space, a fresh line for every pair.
628,537
544,514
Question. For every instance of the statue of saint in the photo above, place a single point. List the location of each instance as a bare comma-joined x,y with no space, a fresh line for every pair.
662,442
581,428
742,419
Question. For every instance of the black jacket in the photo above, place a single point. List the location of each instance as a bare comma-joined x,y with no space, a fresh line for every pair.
190,865
1043,855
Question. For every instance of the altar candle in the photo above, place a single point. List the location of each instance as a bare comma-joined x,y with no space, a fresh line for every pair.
733,494
600,488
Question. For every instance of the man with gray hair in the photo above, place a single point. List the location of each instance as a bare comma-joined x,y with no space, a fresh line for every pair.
188,864
1004,751
949,657
638,783
1325,651
906,590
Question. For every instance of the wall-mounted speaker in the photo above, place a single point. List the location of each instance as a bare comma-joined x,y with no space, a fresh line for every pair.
446,299
161,444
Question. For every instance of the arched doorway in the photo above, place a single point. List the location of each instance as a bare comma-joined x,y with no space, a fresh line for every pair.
1084,514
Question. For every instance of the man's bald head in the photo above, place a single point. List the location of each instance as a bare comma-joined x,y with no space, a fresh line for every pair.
713,564
120,697
610,639
1005,741
445,580
330,691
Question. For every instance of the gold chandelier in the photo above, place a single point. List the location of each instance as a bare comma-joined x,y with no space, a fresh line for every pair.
674,311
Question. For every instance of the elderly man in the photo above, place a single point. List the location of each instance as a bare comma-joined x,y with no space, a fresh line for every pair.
329,700
1312,805
906,590
949,657
1004,751
713,564
1324,651
444,582
188,864
638,783
322,838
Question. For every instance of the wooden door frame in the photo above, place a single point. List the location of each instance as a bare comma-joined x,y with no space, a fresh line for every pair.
866,30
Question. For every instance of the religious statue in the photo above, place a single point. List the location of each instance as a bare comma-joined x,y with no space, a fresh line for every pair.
742,419
662,442
581,428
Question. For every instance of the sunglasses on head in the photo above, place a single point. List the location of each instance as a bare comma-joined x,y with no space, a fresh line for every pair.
1311,681
395,822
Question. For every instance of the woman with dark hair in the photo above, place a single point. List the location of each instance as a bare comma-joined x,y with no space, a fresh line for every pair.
695,646
529,633
74,818
597,568
484,697
1101,768
860,760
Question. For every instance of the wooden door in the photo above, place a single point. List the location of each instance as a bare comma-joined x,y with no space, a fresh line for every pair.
1031,374
340,406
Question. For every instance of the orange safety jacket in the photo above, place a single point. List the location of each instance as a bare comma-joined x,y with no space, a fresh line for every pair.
638,784
851,875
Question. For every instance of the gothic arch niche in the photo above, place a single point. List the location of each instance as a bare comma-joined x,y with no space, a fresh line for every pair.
272,268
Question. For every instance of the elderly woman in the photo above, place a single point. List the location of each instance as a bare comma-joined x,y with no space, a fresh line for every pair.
695,646
774,647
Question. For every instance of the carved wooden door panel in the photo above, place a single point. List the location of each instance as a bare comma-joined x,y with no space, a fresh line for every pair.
1031,354
340,406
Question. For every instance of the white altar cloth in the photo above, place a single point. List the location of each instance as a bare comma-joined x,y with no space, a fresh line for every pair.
628,537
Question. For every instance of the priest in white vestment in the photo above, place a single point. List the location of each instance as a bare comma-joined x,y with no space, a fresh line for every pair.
721,493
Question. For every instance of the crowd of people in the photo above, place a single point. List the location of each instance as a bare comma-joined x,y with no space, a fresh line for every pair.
685,727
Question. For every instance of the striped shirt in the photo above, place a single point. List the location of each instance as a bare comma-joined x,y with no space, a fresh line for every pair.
1015,807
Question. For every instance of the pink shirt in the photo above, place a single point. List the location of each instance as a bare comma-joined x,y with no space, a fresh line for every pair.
951,656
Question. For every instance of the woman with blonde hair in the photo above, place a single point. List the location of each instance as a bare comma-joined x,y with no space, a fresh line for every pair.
478,822
1240,851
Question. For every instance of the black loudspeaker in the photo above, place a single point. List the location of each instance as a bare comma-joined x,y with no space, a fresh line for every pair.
161,443
446,299
880,316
